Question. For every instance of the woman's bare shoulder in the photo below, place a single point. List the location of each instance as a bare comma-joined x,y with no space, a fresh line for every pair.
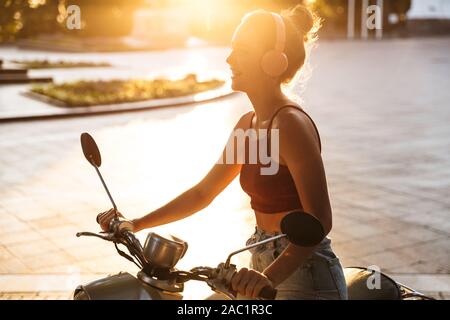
292,115
294,123
244,120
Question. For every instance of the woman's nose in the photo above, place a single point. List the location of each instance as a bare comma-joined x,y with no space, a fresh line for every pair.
229,58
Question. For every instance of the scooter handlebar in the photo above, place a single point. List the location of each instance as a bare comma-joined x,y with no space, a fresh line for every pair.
268,293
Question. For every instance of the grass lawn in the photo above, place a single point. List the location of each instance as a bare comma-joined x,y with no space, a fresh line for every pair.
91,93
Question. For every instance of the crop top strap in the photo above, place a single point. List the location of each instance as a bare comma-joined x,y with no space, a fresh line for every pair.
292,106
251,119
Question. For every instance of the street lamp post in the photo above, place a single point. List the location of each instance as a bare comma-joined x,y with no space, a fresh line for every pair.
379,30
364,30
351,19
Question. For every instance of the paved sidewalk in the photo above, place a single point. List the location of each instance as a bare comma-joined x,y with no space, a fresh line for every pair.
381,108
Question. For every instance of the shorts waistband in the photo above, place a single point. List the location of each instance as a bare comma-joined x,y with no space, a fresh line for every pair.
260,235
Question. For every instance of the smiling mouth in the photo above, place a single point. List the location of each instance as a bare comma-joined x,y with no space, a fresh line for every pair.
235,74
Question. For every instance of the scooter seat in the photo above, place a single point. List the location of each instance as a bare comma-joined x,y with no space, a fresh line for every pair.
362,284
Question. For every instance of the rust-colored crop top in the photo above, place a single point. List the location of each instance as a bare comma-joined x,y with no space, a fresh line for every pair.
271,193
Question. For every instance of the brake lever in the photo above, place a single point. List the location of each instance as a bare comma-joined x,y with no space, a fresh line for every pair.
111,237
107,236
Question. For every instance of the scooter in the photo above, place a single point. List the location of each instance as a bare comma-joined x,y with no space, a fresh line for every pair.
158,278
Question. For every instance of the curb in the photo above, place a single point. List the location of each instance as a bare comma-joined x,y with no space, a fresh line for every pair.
64,112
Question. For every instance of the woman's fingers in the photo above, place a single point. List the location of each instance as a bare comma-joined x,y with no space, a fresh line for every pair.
249,283
250,286
104,227
241,280
101,215
105,218
259,286
236,280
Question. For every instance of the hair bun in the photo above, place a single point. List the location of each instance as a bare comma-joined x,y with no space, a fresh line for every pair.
303,19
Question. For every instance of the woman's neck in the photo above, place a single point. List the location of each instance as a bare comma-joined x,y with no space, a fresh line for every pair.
266,100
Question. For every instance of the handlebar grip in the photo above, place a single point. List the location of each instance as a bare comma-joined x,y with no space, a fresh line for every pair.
268,293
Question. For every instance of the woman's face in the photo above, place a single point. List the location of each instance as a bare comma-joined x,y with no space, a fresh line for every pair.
245,57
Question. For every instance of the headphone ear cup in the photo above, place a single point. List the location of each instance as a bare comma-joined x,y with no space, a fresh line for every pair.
274,63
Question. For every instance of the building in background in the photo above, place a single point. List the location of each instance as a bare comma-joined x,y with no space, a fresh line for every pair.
429,9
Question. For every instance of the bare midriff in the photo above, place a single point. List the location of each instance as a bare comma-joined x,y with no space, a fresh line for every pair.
270,222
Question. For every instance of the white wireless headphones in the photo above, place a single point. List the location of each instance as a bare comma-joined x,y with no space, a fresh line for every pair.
275,62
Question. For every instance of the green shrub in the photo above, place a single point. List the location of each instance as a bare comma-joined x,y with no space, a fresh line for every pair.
91,93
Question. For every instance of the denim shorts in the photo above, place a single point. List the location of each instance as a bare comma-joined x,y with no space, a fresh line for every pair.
320,277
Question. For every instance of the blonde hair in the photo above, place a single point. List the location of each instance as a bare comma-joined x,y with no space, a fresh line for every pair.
301,31
302,26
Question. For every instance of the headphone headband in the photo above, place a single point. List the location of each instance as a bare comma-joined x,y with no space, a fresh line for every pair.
280,33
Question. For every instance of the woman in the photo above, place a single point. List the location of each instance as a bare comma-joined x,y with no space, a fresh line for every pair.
267,51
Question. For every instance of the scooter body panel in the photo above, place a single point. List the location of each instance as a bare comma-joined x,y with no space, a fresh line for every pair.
121,286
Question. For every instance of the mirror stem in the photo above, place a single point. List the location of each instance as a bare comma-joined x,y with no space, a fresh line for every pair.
227,263
107,191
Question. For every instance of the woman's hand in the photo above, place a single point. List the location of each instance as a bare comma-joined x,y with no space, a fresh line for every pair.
249,282
104,220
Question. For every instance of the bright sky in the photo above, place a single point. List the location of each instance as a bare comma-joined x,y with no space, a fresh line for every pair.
430,9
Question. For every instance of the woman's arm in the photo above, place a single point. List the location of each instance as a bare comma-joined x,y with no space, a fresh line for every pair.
302,156
197,197
192,200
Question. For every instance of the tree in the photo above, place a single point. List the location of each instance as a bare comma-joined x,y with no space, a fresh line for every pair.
22,18
27,18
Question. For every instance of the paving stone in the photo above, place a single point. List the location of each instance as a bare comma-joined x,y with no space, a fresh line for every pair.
9,238
387,260
5,254
48,222
421,233
36,296
32,248
9,223
50,259
360,231
13,265
68,231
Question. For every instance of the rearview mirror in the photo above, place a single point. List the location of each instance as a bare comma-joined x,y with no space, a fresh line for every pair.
302,229
90,150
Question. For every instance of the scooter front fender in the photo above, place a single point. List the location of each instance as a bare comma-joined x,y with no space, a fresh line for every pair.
122,286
